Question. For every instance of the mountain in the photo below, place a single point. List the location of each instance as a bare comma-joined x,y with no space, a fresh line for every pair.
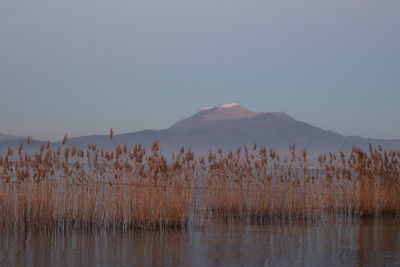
229,126
8,137
14,141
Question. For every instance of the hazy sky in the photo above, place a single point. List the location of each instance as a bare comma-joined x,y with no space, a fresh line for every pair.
80,67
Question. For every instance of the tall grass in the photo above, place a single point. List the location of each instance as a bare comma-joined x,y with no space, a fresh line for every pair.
260,186
85,189
129,188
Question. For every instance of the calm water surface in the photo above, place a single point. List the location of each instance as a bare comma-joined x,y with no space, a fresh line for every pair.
365,243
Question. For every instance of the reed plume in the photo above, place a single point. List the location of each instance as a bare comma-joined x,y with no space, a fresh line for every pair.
68,188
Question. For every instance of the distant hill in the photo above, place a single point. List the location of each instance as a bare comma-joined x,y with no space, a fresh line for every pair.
8,137
230,126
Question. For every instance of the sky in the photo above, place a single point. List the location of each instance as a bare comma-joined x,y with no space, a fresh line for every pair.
81,67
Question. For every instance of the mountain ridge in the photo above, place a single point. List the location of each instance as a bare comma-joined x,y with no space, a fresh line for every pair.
9,137
230,126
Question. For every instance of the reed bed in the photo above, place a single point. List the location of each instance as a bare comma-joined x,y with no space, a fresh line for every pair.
129,188
76,189
260,186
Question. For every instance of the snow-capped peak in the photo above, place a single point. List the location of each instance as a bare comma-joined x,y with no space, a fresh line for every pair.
221,106
229,105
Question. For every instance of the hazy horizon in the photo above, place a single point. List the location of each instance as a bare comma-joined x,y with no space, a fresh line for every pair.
83,67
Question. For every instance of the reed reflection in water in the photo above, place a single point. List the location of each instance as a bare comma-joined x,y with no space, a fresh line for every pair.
365,243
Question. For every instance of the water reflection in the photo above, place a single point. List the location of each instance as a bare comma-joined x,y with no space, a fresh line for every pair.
366,243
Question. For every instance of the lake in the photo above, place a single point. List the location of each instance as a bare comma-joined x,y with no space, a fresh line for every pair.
369,242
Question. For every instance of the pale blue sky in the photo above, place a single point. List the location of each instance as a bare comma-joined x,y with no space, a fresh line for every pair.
80,67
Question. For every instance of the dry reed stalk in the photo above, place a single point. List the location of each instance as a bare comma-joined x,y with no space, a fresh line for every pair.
69,188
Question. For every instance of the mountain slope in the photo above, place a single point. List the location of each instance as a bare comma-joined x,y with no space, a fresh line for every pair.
229,126
8,137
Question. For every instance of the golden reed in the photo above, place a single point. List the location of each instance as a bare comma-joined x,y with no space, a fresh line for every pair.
72,189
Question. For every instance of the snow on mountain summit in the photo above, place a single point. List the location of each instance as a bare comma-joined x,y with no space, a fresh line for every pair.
208,108
227,112
229,105
221,106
